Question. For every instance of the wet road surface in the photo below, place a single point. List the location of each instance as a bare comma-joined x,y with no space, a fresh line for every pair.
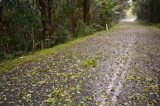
118,68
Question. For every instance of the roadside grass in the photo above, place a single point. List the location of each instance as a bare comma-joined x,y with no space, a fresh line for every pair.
153,25
156,25
39,55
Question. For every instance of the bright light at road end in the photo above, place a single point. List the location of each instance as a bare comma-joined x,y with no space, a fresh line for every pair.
130,2
129,19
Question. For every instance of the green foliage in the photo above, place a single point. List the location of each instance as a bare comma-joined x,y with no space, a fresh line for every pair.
24,26
148,10
157,25
108,12
62,35
85,30
90,63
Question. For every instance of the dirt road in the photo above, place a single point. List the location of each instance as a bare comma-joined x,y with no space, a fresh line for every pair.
119,68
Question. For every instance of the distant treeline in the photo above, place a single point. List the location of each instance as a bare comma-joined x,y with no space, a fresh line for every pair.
148,10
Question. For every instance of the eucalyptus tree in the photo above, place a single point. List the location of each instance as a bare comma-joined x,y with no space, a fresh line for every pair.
47,10
86,11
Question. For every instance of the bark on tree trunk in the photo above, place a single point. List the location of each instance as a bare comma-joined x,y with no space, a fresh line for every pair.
46,14
43,18
73,24
33,2
86,10
33,39
50,28
151,12
45,23
1,20
73,18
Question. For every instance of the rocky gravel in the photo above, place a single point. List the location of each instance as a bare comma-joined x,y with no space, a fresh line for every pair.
119,68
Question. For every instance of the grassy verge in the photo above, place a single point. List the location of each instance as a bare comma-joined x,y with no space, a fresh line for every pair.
37,56
154,25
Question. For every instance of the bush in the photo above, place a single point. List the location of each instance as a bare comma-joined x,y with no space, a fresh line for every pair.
83,30
90,63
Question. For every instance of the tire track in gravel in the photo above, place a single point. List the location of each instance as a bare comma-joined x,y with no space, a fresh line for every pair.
124,69
114,88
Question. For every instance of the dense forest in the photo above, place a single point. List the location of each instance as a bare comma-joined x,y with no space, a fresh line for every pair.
148,10
29,25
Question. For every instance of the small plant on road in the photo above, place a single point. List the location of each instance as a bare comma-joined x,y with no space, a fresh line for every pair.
90,63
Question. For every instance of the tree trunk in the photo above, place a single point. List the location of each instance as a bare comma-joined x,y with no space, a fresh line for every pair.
151,12
86,10
44,19
50,28
1,20
73,24
33,39
33,2
46,14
